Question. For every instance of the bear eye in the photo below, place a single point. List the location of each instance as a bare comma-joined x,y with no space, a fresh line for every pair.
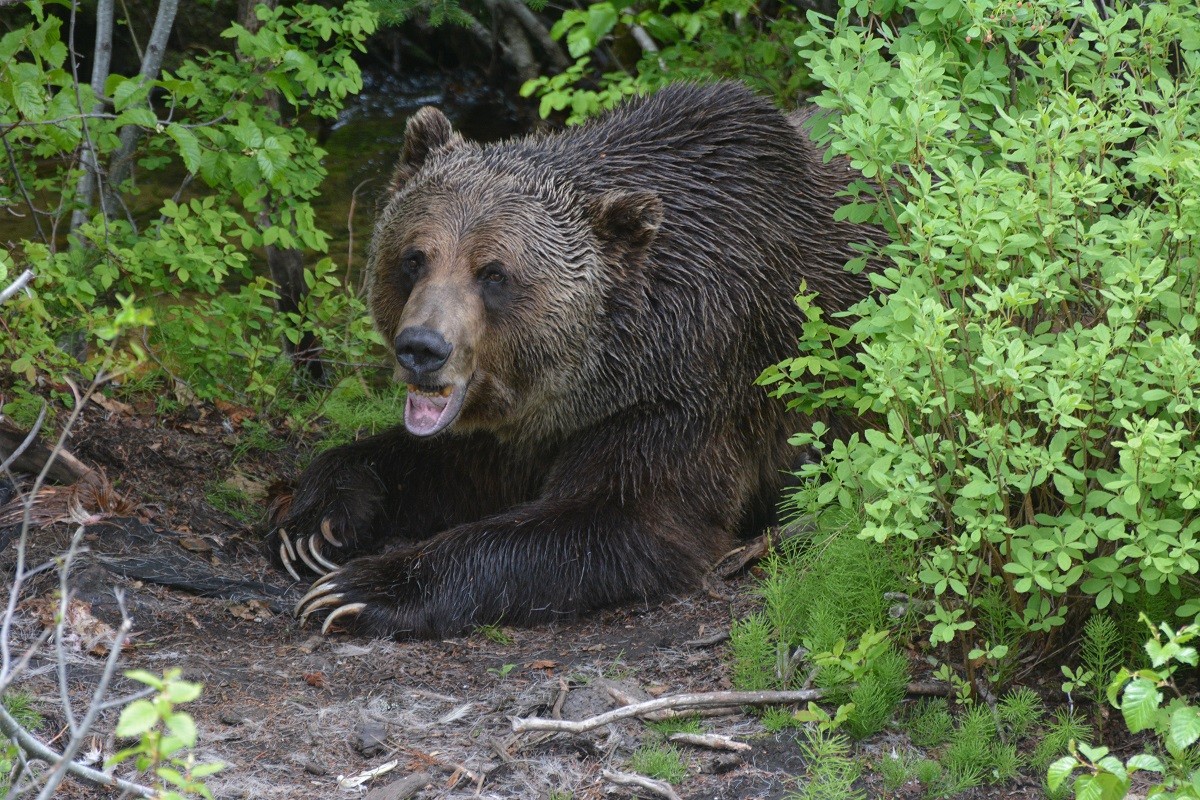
411,263
493,274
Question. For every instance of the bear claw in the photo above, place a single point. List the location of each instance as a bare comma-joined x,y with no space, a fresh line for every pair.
287,563
321,602
316,553
327,532
349,608
321,587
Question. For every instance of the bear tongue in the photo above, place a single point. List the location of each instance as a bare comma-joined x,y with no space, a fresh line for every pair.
422,412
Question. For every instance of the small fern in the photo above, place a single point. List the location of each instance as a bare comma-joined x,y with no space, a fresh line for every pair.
929,723
1021,710
1101,651
831,770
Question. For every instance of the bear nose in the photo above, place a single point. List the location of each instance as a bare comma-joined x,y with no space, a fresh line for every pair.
422,350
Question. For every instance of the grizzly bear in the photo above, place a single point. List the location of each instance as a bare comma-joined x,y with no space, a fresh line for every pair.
579,318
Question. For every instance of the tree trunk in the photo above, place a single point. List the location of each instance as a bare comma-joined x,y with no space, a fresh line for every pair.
286,265
121,165
101,59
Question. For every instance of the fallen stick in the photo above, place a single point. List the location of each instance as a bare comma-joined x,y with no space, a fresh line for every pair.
660,788
713,741
700,700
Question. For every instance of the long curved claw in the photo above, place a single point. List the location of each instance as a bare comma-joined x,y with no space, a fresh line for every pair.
287,562
300,550
316,553
323,586
287,543
350,608
327,532
320,602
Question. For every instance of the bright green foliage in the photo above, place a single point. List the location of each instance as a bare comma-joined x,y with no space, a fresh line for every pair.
822,590
1033,363
1020,711
929,723
1144,706
717,39
164,736
353,409
659,761
831,771
877,693
1066,728
181,264
19,705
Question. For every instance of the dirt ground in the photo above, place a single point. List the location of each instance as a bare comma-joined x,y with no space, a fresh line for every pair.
290,712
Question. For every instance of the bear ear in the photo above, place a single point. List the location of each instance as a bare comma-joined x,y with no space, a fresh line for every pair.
428,131
626,222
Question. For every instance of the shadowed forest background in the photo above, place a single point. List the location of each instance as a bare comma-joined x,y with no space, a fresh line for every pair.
991,592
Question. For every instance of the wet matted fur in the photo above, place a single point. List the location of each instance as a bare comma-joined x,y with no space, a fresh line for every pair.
580,317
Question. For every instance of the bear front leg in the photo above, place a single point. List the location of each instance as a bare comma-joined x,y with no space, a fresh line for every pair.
337,509
353,498
537,562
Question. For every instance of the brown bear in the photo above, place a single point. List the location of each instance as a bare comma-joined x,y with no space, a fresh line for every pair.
580,318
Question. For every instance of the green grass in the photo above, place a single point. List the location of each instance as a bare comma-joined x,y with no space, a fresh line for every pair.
659,761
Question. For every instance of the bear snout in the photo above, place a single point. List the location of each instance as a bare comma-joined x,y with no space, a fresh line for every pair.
422,351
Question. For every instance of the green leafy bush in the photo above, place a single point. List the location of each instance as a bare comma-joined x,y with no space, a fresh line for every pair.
1144,707
176,273
1031,358
715,39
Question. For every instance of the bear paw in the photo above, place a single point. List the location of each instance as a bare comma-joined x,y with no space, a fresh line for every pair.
377,596
301,551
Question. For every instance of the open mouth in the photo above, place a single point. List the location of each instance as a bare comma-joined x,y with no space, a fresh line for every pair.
428,410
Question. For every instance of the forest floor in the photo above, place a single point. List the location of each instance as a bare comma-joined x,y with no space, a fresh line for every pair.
290,712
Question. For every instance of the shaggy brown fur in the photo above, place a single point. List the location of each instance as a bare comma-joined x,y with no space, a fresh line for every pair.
581,318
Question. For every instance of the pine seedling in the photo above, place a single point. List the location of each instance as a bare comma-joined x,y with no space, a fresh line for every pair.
1021,710
929,723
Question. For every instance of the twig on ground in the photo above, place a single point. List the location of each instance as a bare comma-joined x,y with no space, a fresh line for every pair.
713,741
708,641
563,688
700,700
660,788
930,688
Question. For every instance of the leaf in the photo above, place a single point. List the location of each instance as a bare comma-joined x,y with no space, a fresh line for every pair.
1060,770
189,146
183,726
1144,761
1140,704
137,116
137,718
1185,726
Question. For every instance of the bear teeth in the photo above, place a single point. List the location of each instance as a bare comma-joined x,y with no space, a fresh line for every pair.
445,391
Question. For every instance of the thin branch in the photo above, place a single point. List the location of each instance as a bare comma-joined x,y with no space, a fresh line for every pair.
20,283
700,700
12,163
713,741
660,788
66,764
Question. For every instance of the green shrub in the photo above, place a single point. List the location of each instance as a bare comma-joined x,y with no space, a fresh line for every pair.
173,278
929,723
1032,361
1020,711
1149,700
821,591
659,761
695,42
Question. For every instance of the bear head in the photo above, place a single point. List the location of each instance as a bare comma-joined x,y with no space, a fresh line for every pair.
490,273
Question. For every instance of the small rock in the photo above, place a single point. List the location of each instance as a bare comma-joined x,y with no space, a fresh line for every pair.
234,716
371,738
401,789
723,762
315,768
